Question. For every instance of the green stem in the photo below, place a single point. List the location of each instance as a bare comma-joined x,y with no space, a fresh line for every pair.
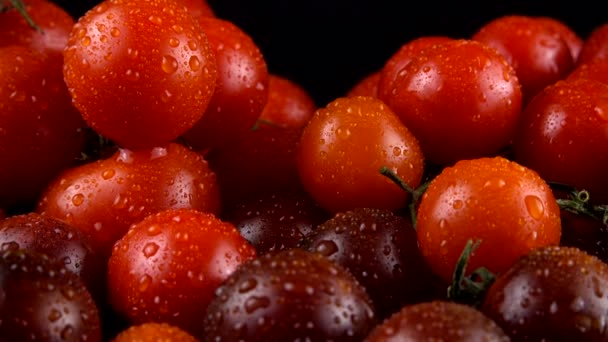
20,7
472,289
415,193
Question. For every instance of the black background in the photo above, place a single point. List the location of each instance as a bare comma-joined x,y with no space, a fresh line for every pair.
327,46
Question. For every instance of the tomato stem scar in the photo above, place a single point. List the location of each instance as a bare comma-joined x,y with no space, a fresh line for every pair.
416,193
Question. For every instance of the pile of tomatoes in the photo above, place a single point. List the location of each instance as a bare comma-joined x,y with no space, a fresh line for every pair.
158,183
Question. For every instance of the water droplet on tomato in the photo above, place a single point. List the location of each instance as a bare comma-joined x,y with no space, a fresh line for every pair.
67,332
78,199
553,308
125,156
578,304
115,32
155,20
458,204
132,75
85,41
150,249
192,45
144,283
173,42
396,151
108,56
68,293
54,315
158,152
153,230
600,112
169,64
248,285
177,29
195,63
97,226
443,223
535,206
327,248
107,174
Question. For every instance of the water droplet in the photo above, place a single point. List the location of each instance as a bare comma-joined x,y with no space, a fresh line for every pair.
107,174
169,64
77,199
535,206
248,285
443,223
155,20
150,249
192,45
132,75
458,204
553,308
166,95
577,304
97,226
254,303
195,63
67,332
68,293
177,29
125,156
327,248
396,151
54,315
158,152
115,32
144,283
173,42
153,230
85,41
600,111
103,39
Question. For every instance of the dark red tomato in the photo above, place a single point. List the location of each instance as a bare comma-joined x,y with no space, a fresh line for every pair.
241,91
60,242
40,131
562,135
198,8
43,301
276,221
595,46
596,70
552,294
54,22
154,332
292,295
140,72
343,148
168,266
572,39
438,321
263,160
401,58
368,86
493,200
380,249
289,104
461,99
538,52
105,197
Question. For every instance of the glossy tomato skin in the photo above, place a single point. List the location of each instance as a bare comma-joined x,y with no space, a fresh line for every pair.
55,23
538,53
572,39
104,198
461,100
168,266
552,294
505,205
289,105
393,66
596,45
595,70
154,332
343,148
438,321
367,86
562,135
40,131
242,86
140,85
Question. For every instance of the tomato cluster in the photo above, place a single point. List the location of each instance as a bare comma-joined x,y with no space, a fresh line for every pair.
160,183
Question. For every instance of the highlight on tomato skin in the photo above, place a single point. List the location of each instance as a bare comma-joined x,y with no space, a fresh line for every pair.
168,266
289,105
506,206
139,85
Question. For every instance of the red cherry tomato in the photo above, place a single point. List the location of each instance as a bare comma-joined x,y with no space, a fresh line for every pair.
342,149
461,99
572,39
40,131
538,53
242,87
368,86
505,205
562,135
595,46
289,104
393,66
167,267
104,198
140,72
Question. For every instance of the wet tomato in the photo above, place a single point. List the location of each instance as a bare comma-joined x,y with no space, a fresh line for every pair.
438,321
105,197
168,266
551,294
154,332
289,104
596,45
505,205
367,86
40,131
140,85
241,91
461,99
595,70
342,149
562,136
287,296
43,301
537,51
572,39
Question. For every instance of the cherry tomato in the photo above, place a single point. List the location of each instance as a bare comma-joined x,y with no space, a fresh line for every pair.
140,72
54,22
40,131
595,46
242,87
104,198
393,66
537,51
289,104
168,266
551,294
461,99
438,321
368,86
505,205
343,148
562,136
572,39
154,332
